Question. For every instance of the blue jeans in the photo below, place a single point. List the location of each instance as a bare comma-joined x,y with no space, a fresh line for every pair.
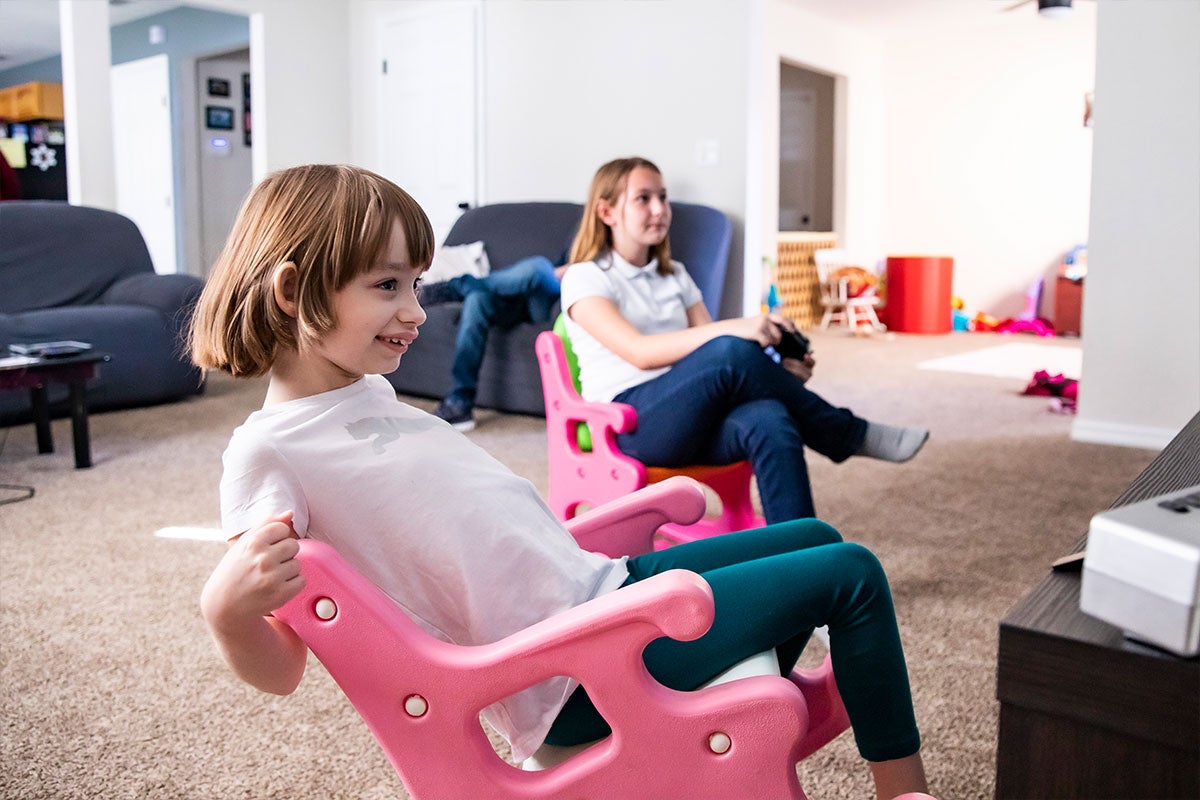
523,292
728,401
771,587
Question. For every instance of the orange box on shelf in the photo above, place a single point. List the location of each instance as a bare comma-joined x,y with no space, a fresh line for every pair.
918,294
33,100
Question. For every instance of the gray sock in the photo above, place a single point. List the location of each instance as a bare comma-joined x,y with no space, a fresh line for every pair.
890,443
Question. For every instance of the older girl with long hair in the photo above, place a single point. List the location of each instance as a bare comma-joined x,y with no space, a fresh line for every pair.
705,392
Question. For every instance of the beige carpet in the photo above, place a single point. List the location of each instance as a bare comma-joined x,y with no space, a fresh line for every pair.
109,687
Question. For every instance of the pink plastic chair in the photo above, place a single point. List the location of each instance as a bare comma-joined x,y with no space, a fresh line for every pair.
587,469
421,697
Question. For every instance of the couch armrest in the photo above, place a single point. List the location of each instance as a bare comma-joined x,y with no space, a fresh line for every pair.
168,294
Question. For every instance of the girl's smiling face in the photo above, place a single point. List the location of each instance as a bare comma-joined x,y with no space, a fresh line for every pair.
640,218
376,319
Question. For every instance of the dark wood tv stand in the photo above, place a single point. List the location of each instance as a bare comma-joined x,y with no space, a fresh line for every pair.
1085,713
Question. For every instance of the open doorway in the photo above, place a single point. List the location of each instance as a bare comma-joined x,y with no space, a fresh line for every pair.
806,176
806,133
224,136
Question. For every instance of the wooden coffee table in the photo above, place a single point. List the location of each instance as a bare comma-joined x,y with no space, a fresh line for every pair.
75,371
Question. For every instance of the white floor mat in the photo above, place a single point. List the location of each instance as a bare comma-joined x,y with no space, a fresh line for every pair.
198,534
1013,360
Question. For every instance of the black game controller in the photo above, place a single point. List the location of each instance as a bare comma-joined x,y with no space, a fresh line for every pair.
793,344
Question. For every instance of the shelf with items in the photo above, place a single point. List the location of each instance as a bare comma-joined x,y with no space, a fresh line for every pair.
796,283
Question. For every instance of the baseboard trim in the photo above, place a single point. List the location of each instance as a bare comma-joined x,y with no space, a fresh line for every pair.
1141,436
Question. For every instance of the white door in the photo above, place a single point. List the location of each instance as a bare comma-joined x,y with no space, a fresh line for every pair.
797,150
429,107
142,158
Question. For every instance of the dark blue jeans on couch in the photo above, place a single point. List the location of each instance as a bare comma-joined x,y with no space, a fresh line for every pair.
523,292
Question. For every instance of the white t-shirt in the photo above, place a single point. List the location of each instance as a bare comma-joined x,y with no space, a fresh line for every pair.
652,303
467,548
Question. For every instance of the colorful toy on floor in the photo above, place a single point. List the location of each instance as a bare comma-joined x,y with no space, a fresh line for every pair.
960,320
1028,320
1062,391
984,322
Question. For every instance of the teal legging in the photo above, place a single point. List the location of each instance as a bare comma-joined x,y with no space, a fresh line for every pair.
772,586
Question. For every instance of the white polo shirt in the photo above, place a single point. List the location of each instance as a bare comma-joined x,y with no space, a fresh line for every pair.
652,303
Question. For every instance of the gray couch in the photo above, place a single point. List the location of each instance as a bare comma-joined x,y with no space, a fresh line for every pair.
510,380
72,272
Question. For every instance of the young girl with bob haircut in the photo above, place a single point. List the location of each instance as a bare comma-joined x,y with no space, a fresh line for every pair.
705,392
317,288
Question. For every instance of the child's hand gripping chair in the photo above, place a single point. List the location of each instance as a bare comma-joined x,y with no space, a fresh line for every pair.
421,697
587,469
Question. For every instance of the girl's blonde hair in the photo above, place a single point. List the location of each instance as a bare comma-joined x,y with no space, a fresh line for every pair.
333,222
608,184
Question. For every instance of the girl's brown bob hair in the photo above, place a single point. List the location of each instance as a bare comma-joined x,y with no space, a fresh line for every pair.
332,222
608,184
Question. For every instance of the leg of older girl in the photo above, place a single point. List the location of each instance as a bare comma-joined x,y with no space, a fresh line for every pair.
729,401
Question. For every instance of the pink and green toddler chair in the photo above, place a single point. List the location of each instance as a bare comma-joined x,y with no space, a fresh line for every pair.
421,697
587,469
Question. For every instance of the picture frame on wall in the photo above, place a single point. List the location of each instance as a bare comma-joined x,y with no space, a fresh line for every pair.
218,118
218,87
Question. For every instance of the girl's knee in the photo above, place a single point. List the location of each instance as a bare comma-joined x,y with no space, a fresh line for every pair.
767,427
862,565
733,349
477,305
823,530
806,533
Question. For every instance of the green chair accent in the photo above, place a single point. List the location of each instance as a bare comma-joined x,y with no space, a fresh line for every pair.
583,434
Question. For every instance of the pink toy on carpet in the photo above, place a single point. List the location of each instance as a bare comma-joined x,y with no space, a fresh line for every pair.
1064,392
1028,321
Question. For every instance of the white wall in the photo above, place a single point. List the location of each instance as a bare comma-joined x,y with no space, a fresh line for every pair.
786,32
300,61
1141,302
984,151
570,85
87,104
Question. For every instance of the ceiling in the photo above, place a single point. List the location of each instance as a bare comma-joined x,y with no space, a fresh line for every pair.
896,16
29,28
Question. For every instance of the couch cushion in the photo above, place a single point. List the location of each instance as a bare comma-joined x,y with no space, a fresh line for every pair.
55,254
147,364
453,260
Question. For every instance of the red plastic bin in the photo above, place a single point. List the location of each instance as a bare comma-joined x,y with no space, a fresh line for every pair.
918,294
